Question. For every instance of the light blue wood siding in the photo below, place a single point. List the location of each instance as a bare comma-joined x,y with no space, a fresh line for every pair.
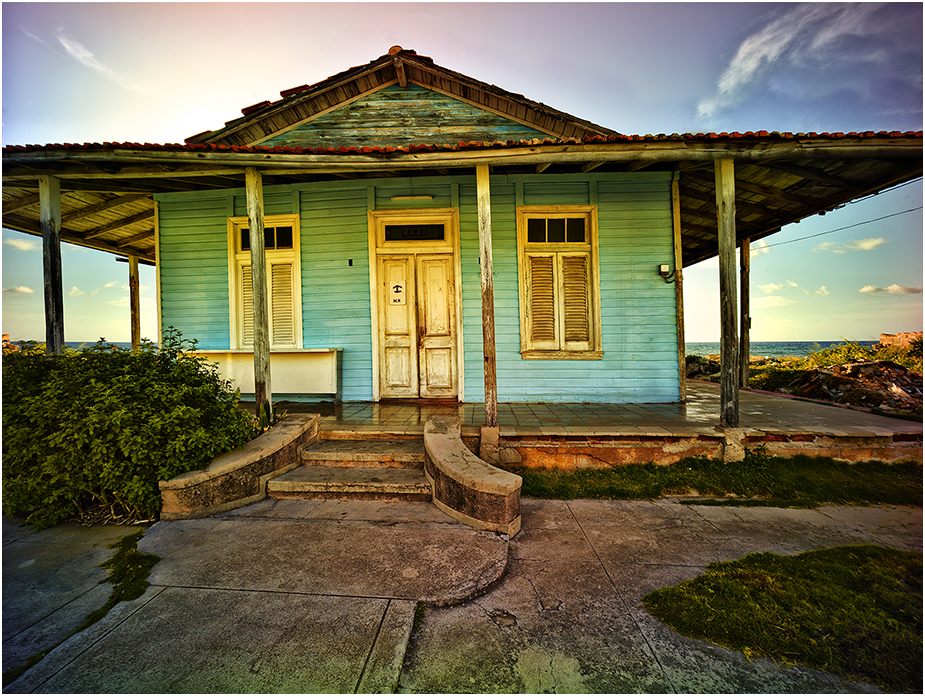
396,116
193,239
640,361
638,316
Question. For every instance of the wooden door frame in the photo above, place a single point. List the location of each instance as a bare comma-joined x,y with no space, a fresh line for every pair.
377,220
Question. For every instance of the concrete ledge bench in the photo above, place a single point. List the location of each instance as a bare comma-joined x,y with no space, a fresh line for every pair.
239,477
466,487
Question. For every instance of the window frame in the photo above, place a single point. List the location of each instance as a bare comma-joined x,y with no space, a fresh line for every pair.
238,260
559,348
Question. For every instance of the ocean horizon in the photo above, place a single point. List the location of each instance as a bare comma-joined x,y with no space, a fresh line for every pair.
772,349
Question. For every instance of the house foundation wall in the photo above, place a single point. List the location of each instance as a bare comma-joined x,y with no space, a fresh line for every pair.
573,453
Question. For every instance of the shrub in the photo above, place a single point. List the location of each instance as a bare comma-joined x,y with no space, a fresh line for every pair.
102,425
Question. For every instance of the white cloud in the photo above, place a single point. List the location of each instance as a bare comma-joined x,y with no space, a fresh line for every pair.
854,245
111,284
759,248
811,50
75,292
866,244
893,289
771,301
770,287
19,290
84,55
24,244
791,284
823,291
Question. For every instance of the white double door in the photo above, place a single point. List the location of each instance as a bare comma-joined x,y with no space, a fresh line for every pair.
417,326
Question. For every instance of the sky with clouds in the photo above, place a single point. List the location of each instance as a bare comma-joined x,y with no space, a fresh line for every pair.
161,72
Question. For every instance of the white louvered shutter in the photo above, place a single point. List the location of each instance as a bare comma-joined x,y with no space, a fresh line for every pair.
282,320
576,301
247,308
541,302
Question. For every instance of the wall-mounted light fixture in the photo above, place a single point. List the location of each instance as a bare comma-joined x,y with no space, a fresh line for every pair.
664,270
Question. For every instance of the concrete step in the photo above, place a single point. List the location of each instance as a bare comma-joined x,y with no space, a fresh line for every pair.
359,483
389,454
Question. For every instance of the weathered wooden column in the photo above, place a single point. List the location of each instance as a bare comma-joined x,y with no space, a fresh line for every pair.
133,292
50,216
679,287
729,344
488,296
745,317
254,197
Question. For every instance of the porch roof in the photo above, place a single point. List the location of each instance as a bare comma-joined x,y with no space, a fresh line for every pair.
106,188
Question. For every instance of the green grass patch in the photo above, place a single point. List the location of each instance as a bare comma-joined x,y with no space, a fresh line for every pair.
798,481
854,611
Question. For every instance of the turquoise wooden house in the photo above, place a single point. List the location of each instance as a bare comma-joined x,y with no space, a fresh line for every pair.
384,270
427,235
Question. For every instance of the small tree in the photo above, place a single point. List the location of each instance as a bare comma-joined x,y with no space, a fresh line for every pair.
102,426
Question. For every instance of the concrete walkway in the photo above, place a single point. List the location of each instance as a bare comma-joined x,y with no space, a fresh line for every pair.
320,596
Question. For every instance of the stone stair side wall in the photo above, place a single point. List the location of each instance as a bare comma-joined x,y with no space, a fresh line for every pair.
466,487
238,478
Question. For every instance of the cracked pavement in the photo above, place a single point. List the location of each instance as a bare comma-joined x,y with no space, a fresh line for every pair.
567,617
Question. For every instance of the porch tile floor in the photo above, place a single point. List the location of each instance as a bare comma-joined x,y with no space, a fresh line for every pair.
700,415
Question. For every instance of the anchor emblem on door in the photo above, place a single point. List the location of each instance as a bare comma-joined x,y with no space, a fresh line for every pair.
398,294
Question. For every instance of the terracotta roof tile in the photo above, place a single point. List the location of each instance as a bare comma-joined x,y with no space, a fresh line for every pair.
473,145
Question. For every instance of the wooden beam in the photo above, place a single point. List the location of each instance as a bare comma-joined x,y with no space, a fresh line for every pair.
118,224
140,237
679,288
400,71
254,199
103,205
33,227
50,220
540,168
20,203
133,293
745,317
729,359
488,296
810,173
589,166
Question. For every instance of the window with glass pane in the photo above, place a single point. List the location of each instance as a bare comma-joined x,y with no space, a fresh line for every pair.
560,309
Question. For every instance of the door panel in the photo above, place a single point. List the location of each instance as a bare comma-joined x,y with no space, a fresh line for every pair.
397,327
417,325
437,322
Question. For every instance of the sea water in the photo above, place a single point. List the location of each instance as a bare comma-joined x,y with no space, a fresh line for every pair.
773,349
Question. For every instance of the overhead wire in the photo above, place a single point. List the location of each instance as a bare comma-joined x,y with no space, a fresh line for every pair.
846,227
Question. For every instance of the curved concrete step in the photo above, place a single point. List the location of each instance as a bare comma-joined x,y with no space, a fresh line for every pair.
399,454
362,483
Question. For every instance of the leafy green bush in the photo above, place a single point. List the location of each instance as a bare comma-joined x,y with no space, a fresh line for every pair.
848,352
102,425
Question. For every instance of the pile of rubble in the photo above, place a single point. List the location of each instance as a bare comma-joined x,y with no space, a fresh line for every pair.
880,384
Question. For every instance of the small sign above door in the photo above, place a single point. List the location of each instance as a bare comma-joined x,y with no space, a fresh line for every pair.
414,233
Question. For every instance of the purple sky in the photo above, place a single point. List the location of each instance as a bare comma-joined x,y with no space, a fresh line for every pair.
163,71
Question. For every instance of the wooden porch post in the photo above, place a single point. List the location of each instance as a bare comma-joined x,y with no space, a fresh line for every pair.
134,301
254,196
488,296
726,227
50,216
679,287
745,317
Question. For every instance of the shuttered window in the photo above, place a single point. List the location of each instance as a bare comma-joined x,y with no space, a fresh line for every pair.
283,291
560,310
